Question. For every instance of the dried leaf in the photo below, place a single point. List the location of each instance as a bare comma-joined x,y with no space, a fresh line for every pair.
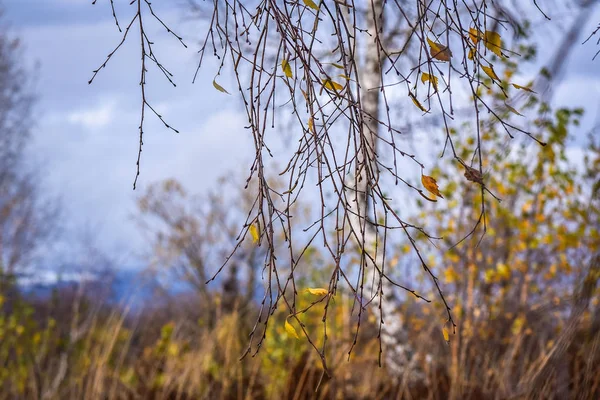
311,4
493,42
490,72
219,87
290,330
439,51
254,233
431,185
432,78
414,99
527,89
473,175
311,124
317,291
337,66
287,70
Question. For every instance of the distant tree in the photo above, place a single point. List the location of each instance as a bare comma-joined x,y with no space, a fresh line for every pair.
337,66
191,235
26,215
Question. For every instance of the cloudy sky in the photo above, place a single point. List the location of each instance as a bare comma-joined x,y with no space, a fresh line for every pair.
86,135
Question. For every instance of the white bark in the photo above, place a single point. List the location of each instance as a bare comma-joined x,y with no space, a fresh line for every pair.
362,207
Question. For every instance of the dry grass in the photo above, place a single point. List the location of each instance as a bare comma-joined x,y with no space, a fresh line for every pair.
104,353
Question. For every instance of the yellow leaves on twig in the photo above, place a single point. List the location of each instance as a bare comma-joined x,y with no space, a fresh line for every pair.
471,53
493,42
311,4
525,88
446,334
285,66
431,185
219,87
439,51
290,329
417,103
490,72
317,291
253,229
446,330
512,110
431,78
474,35
332,85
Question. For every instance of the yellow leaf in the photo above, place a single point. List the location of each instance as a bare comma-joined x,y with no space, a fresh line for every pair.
254,233
512,110
432,78
331,85
317,291
490,72
311,4
439,51
337,66
431,185
493,42
474,35
311,124
414,99
527,89
518,324
287,70
489,275
503,271
290,330
219,87
472,53
450,275
446,334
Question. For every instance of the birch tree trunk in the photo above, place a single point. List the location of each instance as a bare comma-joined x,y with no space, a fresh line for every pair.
363,208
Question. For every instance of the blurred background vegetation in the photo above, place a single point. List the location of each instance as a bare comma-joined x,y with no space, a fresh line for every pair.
525,294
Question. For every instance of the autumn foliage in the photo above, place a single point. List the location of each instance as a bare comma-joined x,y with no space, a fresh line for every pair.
524,295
